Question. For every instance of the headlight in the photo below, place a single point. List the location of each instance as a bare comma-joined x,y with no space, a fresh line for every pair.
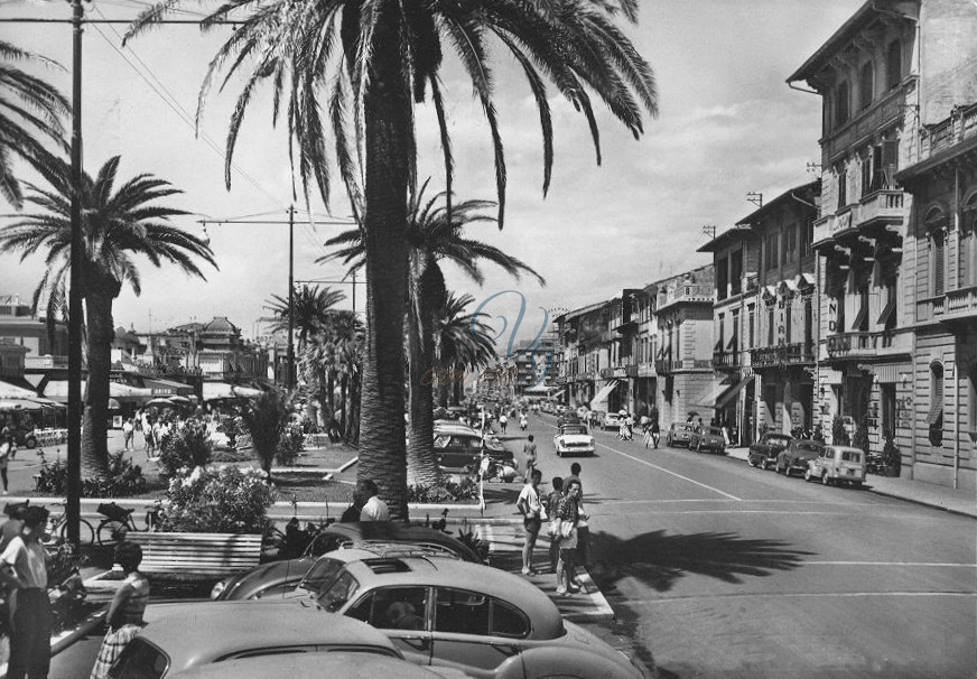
217,589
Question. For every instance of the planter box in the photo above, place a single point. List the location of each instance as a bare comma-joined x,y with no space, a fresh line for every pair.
196,556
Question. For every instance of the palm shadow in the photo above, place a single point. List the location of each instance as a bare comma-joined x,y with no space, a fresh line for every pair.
660,560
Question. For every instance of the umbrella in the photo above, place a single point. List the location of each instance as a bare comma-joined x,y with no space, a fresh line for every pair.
182,400
159,402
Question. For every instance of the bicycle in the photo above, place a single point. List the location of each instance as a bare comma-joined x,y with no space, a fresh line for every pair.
57,525
118,522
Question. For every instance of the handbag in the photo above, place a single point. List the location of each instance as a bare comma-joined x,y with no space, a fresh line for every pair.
567,529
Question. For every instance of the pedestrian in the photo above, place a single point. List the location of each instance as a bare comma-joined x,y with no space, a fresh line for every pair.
127,431
656,433
533,515
374,509
568,513
552,505
8,447
23,569
147,435
15,522
529,450
125,616
523,422
503,421
583,529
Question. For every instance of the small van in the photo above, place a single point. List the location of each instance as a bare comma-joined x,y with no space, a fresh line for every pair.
837,464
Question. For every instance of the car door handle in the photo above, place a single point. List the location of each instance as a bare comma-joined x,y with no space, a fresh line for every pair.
506,649
417,643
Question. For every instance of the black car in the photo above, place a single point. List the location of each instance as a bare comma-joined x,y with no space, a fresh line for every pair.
764,452
794,458
460,448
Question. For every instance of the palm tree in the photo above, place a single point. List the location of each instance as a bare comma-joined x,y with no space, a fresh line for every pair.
434,234
461,344
377,59
331,356
30,110
117,225
265,419
312,307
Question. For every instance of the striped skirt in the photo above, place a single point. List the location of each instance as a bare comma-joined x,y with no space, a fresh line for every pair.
112,645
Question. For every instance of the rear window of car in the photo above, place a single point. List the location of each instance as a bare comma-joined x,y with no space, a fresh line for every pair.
339,592
778,440
464,612
574,429
140,660
851,456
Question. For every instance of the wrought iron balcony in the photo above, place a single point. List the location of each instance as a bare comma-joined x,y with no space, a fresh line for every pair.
955,305
797,353
725,360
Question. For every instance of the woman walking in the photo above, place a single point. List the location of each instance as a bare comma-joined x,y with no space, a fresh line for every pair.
125,613
552,506
568,513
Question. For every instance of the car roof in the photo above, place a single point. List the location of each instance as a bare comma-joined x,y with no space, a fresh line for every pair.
309,665
546,620
392,531
849,449
196,632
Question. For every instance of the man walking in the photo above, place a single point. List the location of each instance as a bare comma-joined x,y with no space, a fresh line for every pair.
533,514
503,421
127,431
529,450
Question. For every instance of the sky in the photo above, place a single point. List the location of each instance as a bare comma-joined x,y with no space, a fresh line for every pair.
728,125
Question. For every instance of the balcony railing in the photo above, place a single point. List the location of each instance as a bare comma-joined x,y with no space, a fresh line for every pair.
885,205
866,345
961,124
837,142
798,353
726,359
954,305
687,292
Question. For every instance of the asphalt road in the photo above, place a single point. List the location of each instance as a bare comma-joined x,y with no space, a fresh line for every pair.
722,570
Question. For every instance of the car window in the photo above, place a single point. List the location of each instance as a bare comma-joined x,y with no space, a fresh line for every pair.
275,590
339,592
140,660
441,441
851,456
321,574
392,608
461,612
779,440
508,621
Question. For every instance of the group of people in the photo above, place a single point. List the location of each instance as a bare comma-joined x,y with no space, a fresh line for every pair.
563,514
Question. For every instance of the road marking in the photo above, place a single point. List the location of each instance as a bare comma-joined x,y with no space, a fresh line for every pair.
788,595
715,500
668,471
914,564
778,512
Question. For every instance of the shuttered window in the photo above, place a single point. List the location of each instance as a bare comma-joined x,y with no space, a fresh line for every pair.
935,416
938,252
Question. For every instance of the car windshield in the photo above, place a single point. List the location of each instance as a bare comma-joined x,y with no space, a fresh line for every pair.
321,574
339,592
679,426
809,447
714,431
778,440
574,429
140,660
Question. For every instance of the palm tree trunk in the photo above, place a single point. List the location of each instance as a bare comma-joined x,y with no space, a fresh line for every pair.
421,460
94,446
389,146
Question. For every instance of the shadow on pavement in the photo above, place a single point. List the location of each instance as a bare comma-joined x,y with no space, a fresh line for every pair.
659,560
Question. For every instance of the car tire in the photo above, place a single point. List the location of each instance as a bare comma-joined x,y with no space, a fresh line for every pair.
750,461
808,476
825,480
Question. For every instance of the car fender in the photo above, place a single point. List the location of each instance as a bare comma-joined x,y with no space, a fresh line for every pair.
566,661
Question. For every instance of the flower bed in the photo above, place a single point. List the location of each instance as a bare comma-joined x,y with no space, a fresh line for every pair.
223,500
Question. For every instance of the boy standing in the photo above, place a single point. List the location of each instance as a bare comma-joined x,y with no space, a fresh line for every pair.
533,514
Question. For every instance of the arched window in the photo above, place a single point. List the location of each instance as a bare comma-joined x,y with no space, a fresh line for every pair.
935,417
936,223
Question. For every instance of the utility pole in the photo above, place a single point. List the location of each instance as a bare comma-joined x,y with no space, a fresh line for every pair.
290,382
73,500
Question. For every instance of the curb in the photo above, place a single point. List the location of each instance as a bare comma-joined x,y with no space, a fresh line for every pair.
924,503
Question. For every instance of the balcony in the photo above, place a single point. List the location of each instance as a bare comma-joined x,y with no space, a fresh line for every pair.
828,227
726,360
798,353
865,346
687,293
960,304
664,366
961,124
838,142
885,206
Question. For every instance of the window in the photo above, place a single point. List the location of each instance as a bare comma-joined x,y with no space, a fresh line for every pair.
140,659
861,318
736,272
967,267
464,612
935,223
972,399
850,456
893,64
840,316
888,391
788,321
935,417
751,309
734,340
887,319
392,608
771,321
720,332
722,278
771,248
808,322
807,238
508,621
866,85
842,111
842,188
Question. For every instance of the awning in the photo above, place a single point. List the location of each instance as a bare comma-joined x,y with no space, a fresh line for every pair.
708,398
602,395
887,311
887,374
213,391
9,404
57,390
161,387
12,391
861,317
730,394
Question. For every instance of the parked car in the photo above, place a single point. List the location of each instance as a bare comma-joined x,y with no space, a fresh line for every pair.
573,439
795,457
679,433
764,452
710,439
317,665
837,464
178,637
459,447
483,621
361,540
611,421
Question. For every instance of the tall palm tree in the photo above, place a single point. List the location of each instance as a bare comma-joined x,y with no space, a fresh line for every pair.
461,346
118,224
333,355
30,112
312,307
434,235
376,60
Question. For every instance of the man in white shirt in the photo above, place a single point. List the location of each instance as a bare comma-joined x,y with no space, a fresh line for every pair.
533,514
374,509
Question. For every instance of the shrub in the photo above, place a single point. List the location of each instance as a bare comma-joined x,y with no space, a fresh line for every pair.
444,491
860,440
224,500
839,435
187,447
124,478
290,444
265,418
891,457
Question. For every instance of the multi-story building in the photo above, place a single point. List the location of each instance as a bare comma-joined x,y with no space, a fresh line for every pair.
583,336
683,364
942,241
888,72
46,346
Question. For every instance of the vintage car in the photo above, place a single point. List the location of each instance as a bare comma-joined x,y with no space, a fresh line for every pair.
296,577
679,433
611,421
178,637
458,447
483,621
567,418
764,452
573,439
795,457
313,665
709,439
837,464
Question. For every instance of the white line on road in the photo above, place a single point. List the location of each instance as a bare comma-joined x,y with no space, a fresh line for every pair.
914,564
715,500
788,595
667,471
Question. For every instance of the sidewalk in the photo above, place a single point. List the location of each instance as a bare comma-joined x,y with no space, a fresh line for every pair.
956,501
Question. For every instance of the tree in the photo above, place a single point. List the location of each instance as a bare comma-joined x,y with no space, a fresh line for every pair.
434,235
117,225
459,349
312,306
30,112
265,418
333,356
377,59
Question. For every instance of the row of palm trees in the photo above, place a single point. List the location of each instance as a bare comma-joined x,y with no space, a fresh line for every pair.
349,75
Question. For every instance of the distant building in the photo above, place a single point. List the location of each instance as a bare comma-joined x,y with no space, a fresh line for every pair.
46,346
